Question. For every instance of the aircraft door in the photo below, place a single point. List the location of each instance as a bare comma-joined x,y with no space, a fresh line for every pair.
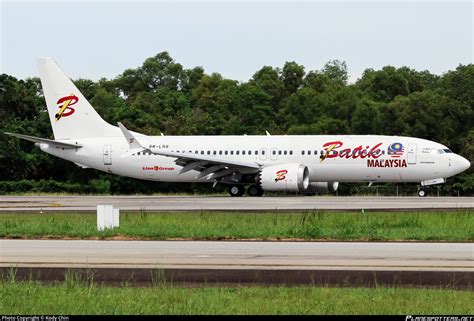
411,155
263,154
107,154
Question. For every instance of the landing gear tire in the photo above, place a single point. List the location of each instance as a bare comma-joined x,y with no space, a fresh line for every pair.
255,190
422,192
236,190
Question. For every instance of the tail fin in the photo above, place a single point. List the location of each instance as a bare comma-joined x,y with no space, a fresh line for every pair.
71,115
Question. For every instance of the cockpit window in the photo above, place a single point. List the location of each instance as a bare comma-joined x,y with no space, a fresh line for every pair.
440,151
447,150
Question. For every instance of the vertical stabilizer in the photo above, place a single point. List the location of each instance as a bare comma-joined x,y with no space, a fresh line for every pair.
71,115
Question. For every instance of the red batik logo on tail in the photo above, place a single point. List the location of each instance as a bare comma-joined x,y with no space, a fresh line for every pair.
64,105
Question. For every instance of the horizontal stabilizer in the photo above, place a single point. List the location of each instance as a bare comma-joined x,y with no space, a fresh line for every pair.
53,143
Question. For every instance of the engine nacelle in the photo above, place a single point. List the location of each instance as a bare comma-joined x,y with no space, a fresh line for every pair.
292,177
322,187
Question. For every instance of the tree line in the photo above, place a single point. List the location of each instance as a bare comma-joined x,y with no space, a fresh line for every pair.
161,96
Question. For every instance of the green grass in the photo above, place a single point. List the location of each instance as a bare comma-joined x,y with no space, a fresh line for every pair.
427,226
75,297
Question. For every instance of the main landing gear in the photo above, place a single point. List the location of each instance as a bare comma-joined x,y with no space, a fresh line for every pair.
255,190
238,190
422,192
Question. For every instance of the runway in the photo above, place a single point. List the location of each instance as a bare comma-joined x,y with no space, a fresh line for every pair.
245,262
227,203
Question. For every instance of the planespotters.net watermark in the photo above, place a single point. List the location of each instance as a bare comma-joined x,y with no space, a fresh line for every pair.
34,318
439,318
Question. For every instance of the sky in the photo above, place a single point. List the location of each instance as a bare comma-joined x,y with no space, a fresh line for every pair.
94,39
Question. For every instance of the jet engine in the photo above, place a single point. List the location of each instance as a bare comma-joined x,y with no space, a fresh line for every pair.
322,187
290,177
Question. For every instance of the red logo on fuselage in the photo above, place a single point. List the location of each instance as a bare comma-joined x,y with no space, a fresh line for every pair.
331,150
65,108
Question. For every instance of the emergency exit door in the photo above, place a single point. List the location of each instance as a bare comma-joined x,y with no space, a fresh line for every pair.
107,154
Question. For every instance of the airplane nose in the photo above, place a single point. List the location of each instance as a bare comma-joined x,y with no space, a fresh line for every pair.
462,164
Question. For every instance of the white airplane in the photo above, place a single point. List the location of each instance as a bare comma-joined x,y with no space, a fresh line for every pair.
305,164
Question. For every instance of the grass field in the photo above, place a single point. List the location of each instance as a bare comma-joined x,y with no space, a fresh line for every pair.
73,297
426,226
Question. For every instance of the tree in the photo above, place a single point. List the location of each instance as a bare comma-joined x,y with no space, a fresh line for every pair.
292,76
365,120
268,79
336,71
385,84
459,84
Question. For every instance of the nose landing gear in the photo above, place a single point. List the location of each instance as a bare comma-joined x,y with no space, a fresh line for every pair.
422,192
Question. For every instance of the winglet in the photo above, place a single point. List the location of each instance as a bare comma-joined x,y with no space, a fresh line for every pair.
134,145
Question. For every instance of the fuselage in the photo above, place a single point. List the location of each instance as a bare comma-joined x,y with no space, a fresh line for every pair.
338,158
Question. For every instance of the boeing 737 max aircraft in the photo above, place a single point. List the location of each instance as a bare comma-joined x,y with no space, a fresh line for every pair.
306,164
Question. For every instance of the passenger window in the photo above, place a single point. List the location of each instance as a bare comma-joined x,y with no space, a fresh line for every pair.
243,152
250,152
279,152
291,152
208,152
236,152
256,152
202,152
284,153
225,152
220,152
232,152
274,152
302,152
214,152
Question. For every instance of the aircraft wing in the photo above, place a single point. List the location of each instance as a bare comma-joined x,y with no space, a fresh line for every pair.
54,143
197,157
213,167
